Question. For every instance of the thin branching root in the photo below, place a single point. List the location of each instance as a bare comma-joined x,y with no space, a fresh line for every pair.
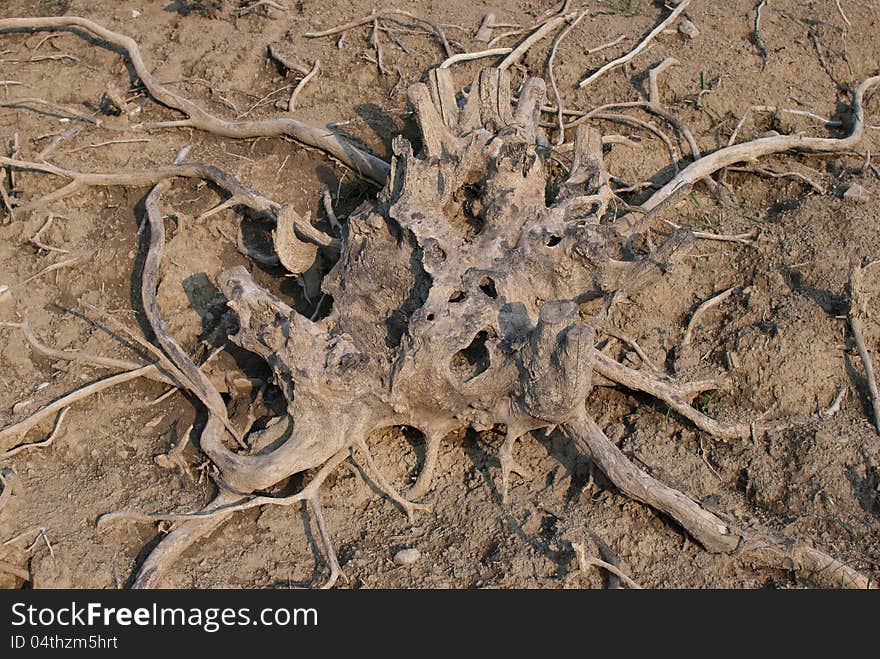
462,298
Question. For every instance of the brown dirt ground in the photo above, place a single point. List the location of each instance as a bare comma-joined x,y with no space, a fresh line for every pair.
819,479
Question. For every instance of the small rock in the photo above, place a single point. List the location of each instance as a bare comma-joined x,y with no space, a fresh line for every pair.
856,193
135,13
155,421
407,556
688,30
732,359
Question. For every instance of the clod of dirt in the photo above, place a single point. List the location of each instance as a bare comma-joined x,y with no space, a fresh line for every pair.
688,30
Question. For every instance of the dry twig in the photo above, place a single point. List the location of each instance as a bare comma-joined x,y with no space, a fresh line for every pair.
639,48
560,138
756,33
740,238
291,104
467,57
46,442
703,308
750,151
386,14
620,336
585,561
840,11
857,311
834,408
37,238
542,31
18,429
46,270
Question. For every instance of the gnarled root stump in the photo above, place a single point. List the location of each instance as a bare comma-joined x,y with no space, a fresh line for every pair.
460,299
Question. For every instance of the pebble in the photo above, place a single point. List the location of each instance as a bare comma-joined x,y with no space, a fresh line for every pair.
155,421
688,30
407,556
857,193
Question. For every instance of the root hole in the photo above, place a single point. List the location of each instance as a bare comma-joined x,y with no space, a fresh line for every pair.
487,285
473,360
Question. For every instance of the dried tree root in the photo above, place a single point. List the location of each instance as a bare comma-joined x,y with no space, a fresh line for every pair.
36,240
856,312
18,429
46,442
709,530
211,441
713,301
446,317
376,474
327,200
763,171
755,35
174,459
197,525
291,103
749,151
632,343
670,395
834,407
740,238
510,465
194,379
385,14
639,48
177,542
608,44
585,561
542,31
94,360
635,121
552,78
426,476
241,473
240,194
360,161
468,57
236,503
49,268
